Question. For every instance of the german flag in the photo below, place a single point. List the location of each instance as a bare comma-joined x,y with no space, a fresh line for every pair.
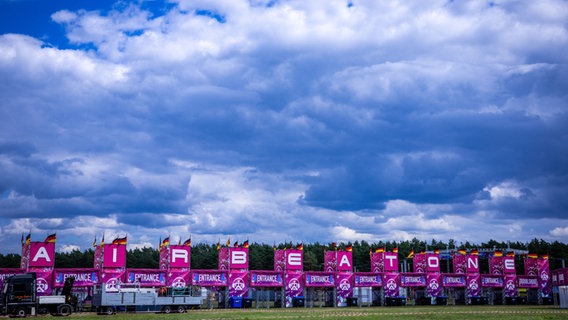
510,254
462,252
411,254
349,248
395,250
544,256
122,241
165,242
498,253
474,252
50,238
236,244
246,244
229,242
219,245
95,242
29,238
533,255
300,246
187,242
274,246
334,245
437,251
380,250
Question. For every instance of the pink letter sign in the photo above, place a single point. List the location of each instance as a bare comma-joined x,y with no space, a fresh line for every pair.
114,256
239,258
391,261
42,254
472,263
294,259
433,262
344,261
180,256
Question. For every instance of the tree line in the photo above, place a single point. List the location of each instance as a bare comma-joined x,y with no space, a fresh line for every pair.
261,256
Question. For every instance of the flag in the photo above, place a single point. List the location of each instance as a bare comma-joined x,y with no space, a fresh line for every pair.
462,252
411,254
165,242
474,252
510,254
437,251
300,246
246,244
380,250
533,255
395,250
274,246
349,248
29,238
219,245
236,244
95,242
119,241
102,241
187,242
498,253
334,245
544,256
229,242
50,238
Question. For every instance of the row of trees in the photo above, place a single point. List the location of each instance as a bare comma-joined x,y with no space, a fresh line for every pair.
261,256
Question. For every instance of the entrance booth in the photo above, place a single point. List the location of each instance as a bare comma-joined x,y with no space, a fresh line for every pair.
215,283
368,288
455,286
267,286
320,289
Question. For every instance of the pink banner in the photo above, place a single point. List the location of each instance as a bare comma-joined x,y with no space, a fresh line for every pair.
509,265
433,263
544,276
529,282
344,287
491,281
209,278
459,263
434,287
472,263
377,262
473,285
25,256
344,261
239,258
279,260
330,261
531,266
111,278
83,277
368,279
320,279
510,285
180,256
266,279
454,280
238,283
146,277
412,279
419,263
178,278
391,285
42,254
164,263
294,259
496,265
224,258
560,277
114,256
391,262
98,259
294,286
44,280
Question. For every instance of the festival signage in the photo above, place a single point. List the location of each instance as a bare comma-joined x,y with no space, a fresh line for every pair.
344,287
111,278
472,263
434,287
433,263
460,263
344,261
391,285
279,260
238,283
294,286
44,280
419,263
224,258
391,262
164,263
377,262
509,265
146,277
560,277
330,261
266,279
368,279
473,285
294,259
83,277
114,255
454,280
544,276
42,254
510,285
209,278
98,258
8,272
491,281
496,265
412,280
239,258
528,282
320,279
180,256
178,278
531,266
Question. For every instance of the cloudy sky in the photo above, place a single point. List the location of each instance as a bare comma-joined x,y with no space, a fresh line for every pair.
283,120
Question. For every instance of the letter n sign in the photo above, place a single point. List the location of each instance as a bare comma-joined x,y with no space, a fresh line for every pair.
239,258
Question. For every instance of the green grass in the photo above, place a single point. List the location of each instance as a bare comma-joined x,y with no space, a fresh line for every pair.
401,313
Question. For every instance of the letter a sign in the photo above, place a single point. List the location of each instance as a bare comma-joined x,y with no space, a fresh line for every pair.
42,254
344,261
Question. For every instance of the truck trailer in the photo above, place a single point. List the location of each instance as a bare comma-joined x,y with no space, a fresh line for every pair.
133,298
19,298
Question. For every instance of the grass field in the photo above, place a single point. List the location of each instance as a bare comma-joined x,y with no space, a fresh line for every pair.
402,313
